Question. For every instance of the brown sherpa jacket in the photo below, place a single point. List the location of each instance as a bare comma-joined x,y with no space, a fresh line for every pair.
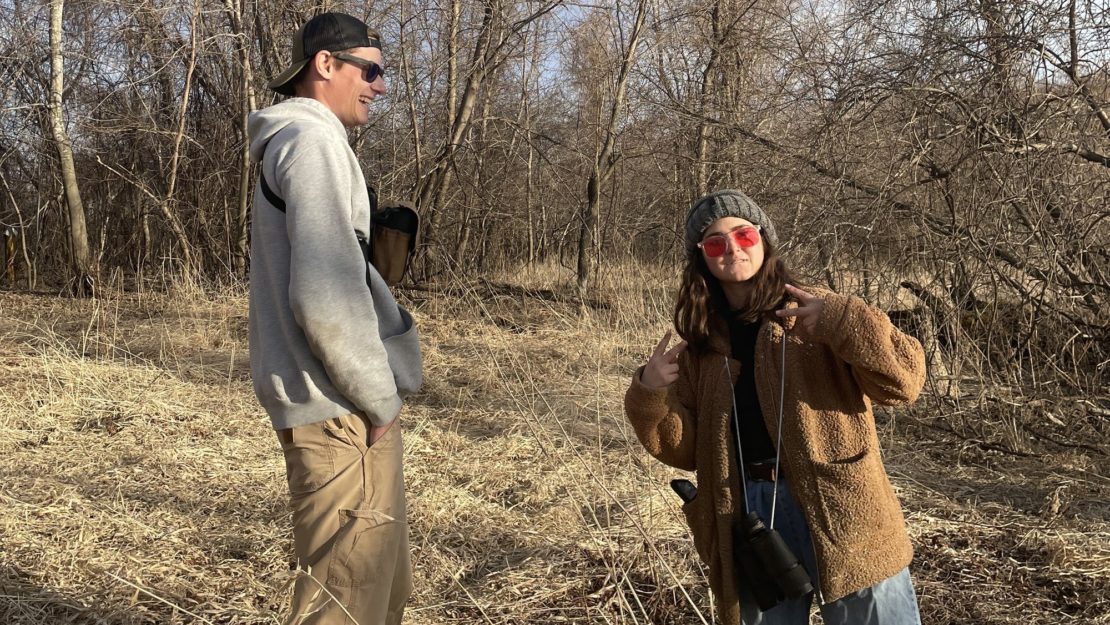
830,449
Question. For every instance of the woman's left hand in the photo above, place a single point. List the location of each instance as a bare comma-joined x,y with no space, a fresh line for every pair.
808,310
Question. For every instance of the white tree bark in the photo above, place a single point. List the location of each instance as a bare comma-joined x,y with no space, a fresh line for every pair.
78,231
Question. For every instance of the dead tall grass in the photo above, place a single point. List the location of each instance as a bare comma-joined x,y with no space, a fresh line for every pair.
142,483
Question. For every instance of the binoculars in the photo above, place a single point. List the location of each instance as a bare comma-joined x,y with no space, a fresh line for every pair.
765,564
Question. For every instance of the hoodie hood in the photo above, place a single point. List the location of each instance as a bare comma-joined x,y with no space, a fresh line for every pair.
309,115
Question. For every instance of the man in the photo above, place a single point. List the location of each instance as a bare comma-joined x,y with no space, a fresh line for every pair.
332,354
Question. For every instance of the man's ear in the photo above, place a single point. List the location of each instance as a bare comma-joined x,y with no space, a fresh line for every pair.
323,63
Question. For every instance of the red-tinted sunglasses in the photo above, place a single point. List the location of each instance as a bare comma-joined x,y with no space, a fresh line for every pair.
371,70
715,245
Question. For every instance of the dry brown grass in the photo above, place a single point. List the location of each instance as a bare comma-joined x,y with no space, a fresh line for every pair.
142,483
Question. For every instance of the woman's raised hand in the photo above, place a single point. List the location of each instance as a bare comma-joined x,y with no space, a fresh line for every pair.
662,367
808,310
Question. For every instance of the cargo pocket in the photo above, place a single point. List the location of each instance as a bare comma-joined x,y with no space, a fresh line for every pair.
851,496
365,549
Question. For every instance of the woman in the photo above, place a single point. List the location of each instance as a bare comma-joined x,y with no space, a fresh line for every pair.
758,351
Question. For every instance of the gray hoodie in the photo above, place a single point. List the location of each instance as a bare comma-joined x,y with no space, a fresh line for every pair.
322,343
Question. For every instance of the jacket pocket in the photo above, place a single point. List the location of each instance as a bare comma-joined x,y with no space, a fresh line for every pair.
366,548
852,497
700,520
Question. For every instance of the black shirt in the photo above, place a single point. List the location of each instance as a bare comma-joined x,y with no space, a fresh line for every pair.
755,441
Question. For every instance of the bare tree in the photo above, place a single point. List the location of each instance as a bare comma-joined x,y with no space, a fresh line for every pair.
496,38
82,278
235,11
605,160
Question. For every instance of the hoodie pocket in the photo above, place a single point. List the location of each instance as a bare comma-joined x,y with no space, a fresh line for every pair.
403,351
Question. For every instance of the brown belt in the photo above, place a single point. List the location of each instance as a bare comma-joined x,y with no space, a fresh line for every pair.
761,471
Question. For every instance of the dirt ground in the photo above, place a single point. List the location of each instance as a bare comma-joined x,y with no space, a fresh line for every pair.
141,482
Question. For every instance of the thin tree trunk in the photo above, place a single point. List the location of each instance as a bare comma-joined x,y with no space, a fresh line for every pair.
187,266
480,170
21,229
605,162
528,192
708,87
453,63
78,231
249,103
432,187
410,96
528,72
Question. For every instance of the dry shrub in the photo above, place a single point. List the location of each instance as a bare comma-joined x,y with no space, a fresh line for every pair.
1021,343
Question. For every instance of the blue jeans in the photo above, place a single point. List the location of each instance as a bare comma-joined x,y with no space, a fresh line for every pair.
889,602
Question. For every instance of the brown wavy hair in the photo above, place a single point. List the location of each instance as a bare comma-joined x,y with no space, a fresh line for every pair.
700,294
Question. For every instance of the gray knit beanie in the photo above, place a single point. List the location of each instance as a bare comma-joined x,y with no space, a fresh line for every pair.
725,203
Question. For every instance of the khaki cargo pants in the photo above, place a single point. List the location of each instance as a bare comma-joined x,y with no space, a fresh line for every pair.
349,526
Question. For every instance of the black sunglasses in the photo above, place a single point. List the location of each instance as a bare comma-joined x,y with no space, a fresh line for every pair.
373,70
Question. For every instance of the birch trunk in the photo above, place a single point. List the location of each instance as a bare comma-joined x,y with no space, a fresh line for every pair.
82,284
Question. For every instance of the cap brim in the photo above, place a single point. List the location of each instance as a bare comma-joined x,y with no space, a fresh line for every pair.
282,83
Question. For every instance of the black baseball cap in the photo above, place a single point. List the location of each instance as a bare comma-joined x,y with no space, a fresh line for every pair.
327,31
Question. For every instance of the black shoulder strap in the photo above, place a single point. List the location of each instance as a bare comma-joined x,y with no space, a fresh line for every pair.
275,199
271,197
